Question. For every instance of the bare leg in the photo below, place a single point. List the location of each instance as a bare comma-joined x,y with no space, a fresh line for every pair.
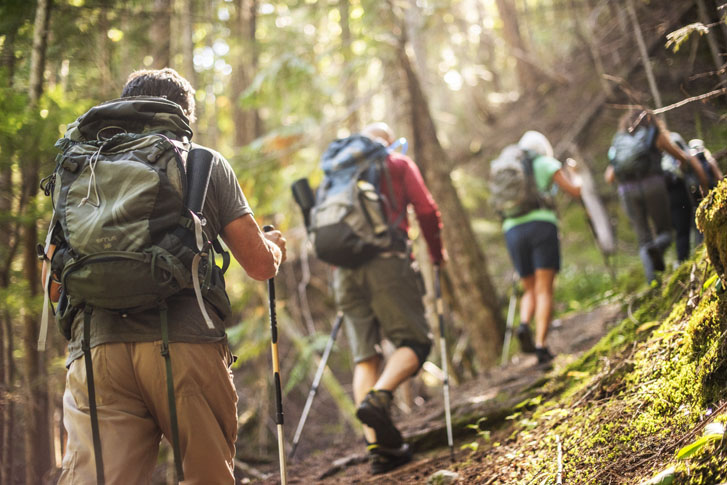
365,374
527,302
399,367
544,279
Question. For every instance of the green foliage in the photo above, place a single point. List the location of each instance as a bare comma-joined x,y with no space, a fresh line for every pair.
312,346
715,433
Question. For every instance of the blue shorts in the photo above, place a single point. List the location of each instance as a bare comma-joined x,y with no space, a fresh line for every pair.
533,245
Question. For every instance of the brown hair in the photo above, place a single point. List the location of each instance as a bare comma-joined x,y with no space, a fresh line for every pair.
164,83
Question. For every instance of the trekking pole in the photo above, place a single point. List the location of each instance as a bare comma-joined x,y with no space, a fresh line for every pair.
316,382
510,321
276,375
443,351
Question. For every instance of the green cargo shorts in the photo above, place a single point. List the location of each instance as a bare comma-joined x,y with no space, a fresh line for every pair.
382,299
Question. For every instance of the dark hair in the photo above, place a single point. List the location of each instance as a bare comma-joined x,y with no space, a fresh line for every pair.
164,83
635,118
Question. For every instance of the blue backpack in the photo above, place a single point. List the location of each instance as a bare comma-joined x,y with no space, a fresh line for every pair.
349,223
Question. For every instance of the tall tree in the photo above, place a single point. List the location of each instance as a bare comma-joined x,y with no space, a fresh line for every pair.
7,383
349,79
643,51
11,18
187,27
474,294
160,33
103,52
247,121
37,430
706,19
511,31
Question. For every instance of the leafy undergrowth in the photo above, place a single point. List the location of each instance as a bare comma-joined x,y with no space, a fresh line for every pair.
633,409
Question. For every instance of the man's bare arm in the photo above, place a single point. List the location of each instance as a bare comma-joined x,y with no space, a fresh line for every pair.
260,254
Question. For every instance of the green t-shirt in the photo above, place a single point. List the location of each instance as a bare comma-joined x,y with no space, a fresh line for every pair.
225,202
544,168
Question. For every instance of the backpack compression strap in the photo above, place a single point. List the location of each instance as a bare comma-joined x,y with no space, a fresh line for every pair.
201,246
43,333
170,392
86,347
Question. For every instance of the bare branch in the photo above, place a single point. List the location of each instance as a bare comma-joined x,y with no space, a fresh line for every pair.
701,97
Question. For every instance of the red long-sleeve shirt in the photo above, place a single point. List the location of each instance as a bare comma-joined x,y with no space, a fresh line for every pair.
409,188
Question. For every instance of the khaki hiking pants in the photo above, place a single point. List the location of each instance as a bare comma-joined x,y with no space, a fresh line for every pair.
133,413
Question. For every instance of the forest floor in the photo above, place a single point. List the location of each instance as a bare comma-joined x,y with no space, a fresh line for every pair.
343,461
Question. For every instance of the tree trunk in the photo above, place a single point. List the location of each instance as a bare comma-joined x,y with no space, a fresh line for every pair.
705,18
7,457
187,27
643,52
259,127
37,429
6,227
585,30
475,296
160,33
103,54
349,79
414,19
511,32
244,33
721,14
126,63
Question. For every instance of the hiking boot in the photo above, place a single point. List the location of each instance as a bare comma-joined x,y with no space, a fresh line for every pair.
374,413
525,338
386,459
543,354
657,259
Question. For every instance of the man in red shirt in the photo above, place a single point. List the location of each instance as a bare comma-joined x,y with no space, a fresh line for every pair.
383,299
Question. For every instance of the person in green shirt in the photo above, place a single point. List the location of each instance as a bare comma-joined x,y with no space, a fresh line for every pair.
533,244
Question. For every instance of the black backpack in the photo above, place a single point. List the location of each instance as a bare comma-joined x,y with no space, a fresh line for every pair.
632,155
692,179
349,223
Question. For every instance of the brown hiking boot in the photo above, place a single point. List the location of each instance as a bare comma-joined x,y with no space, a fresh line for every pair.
374,413
386,459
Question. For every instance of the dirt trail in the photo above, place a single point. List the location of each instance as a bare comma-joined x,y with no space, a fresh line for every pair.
424,427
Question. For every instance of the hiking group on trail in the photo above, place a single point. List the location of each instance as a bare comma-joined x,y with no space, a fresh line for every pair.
654,199
130,261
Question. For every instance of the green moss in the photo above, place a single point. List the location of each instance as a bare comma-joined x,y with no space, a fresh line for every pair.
648,381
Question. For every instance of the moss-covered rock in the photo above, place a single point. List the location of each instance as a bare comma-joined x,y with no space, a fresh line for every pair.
712,221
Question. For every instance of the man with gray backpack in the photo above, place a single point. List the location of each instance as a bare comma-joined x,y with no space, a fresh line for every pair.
130,260
359,224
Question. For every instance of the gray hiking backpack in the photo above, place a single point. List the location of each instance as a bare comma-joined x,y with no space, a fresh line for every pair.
118,192
513,191
126,235
349,223
631,154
